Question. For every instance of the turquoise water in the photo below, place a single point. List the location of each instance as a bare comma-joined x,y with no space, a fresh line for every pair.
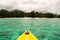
42,28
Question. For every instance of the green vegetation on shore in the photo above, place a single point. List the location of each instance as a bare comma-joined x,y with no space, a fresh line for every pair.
17,13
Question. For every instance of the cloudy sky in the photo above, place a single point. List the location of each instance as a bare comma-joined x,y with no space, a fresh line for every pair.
52,6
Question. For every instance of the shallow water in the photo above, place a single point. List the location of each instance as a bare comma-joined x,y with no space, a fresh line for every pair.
42,28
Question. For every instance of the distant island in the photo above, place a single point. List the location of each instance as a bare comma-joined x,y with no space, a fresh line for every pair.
17,13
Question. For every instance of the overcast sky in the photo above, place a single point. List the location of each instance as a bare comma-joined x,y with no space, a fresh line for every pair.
52,6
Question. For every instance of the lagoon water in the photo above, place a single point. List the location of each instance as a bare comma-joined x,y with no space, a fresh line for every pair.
42,28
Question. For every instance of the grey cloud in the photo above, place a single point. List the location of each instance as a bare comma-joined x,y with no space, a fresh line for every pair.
52,6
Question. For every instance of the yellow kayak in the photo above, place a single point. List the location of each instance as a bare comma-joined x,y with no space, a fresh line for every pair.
27,35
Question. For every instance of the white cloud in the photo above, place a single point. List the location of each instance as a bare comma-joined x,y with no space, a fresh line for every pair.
29,5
